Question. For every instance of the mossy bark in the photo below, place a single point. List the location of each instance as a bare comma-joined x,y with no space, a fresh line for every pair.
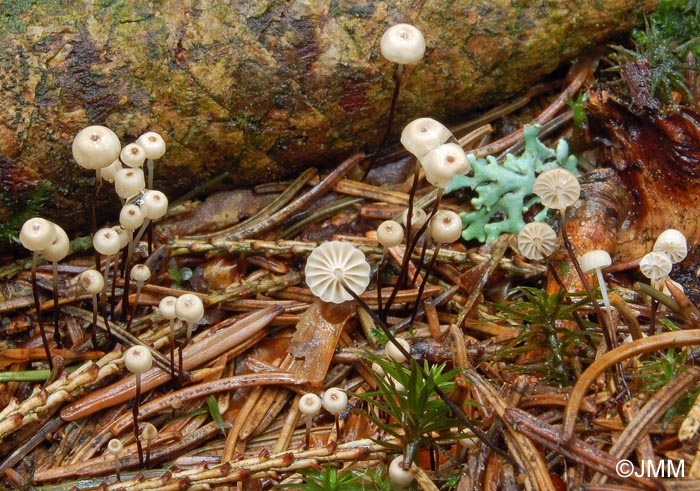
260,89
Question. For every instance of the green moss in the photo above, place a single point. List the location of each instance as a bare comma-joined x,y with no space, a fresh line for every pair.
23,209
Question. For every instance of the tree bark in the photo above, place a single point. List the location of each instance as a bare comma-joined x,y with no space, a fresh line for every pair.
259,89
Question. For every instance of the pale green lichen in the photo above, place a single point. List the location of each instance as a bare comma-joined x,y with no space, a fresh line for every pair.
505,191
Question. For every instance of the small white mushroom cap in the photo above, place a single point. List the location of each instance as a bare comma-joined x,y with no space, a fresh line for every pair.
309,404
672,242
149,432
154,205
445,227
557,188
394,353
95,147
59,247
390,233
106,242
403,44
655,266
91,281
333,263
138,359
595,259
537,240
131,217
133,155
334,400
37,233
115,446
140,273
418,217
167,307
398,475
129,182
110,172
123,235
443,163
189,307
422,135
153,144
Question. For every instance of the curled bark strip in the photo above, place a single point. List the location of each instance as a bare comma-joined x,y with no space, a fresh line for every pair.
193,356
618,355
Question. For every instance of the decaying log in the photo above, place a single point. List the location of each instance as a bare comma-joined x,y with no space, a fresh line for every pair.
258,89
656,154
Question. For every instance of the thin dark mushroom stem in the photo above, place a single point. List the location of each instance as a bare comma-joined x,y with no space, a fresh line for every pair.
456,410
608,333
37,303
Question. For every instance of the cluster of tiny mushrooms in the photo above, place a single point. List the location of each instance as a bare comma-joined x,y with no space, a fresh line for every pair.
335,271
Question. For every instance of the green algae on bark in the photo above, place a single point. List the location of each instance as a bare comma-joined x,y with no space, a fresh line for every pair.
260,90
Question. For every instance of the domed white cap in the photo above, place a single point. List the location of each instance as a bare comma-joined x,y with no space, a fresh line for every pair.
422,135
595,259
672,242
95,147
403,44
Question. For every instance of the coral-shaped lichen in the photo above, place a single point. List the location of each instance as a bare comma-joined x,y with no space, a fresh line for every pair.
505,191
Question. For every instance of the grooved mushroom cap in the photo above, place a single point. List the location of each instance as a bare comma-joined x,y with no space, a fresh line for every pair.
189,308
91,281
422,135
332,263
672,243
398,475
140,273
393,352
334,400
106,242
153,144
129,182
133,155
59,247
445,227
154,205
655,265
403,44
167,307
138,359
537,240
95,147
115,446
418,217
130,217
557,188
37,233
595,259
309,404
443,163
390,233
